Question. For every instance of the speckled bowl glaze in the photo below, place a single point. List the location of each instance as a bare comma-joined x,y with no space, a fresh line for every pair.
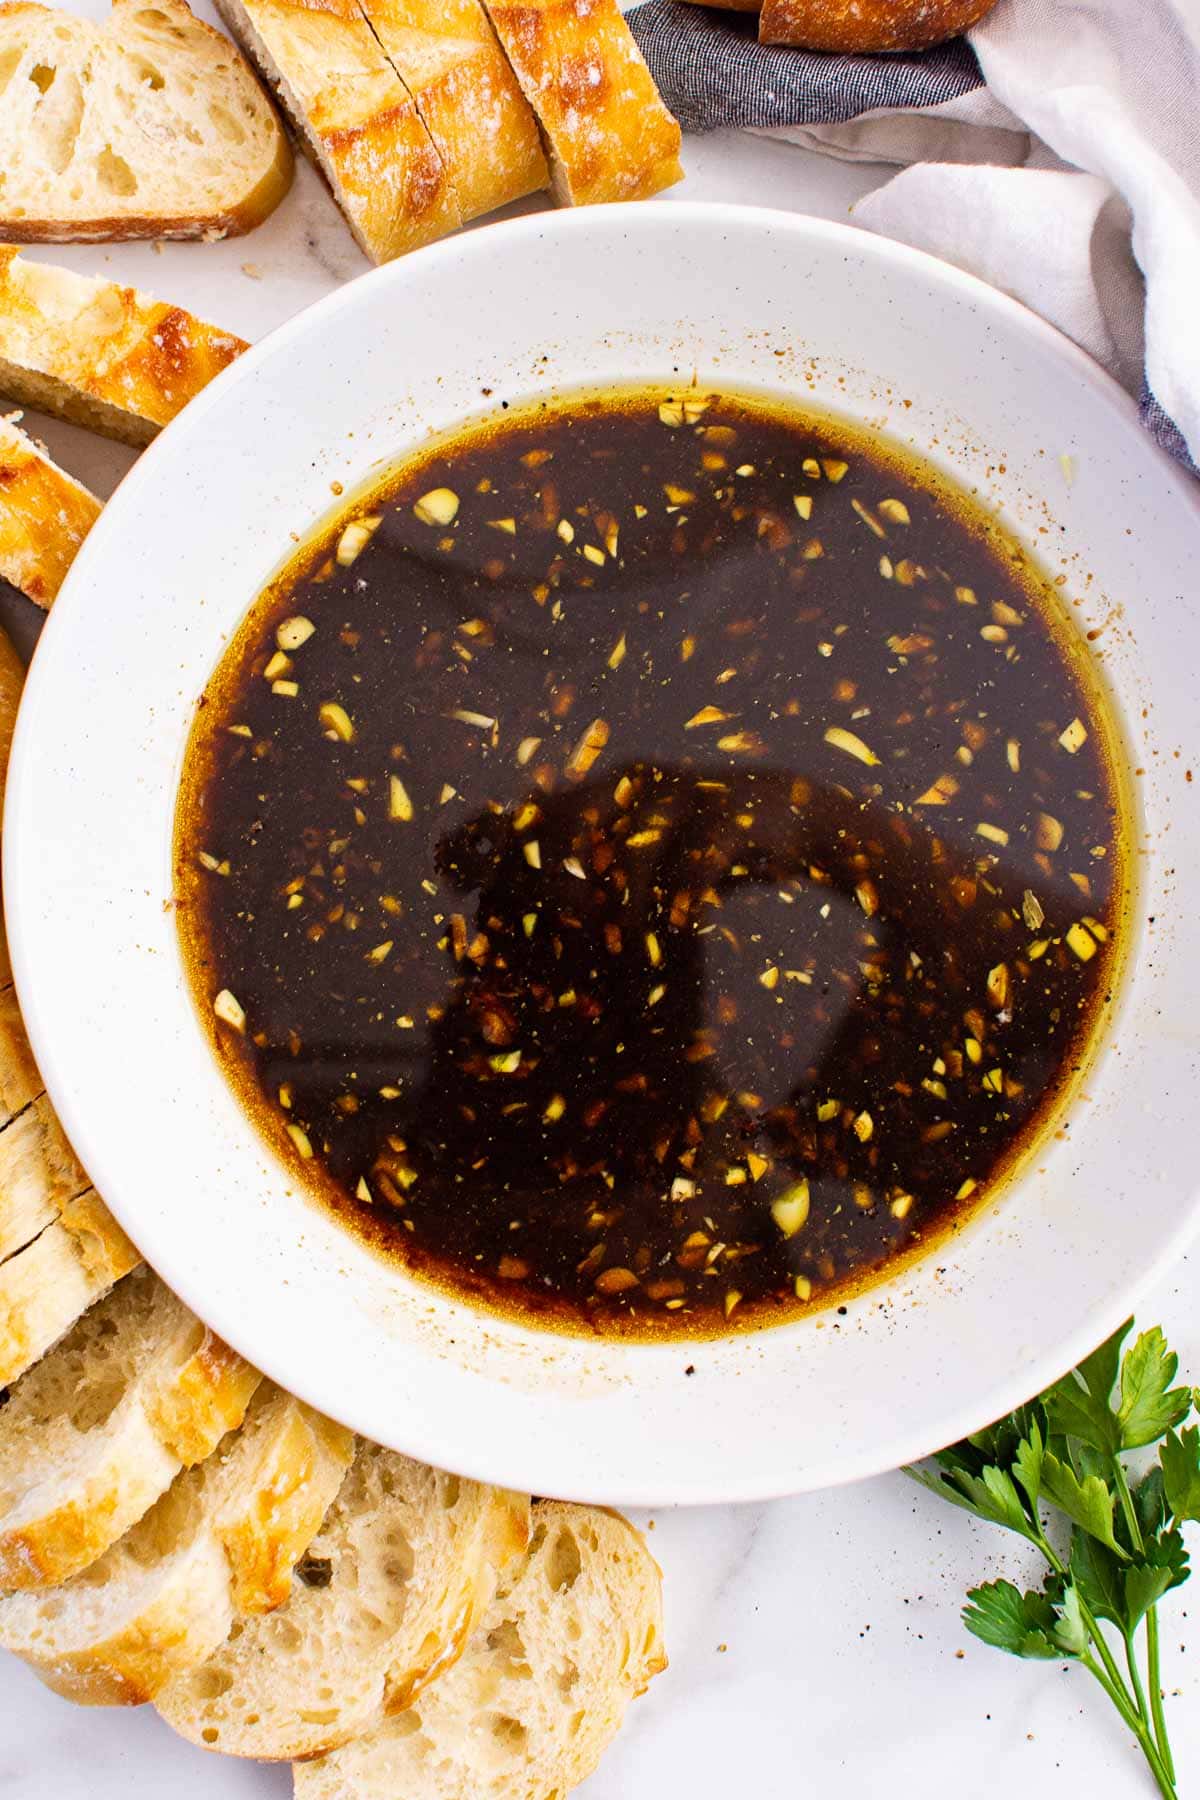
748,298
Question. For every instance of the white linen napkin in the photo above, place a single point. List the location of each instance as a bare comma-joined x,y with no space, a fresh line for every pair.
1098,228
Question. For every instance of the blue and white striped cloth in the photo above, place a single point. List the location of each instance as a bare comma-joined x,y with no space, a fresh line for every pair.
1056,153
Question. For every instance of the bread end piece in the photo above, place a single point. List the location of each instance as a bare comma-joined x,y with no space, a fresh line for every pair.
864,26
607,132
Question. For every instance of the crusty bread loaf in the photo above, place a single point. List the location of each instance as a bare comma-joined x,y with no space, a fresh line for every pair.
866,25
103,356
45,514
446,54
392,1588
39,1175
46,1287
608,134
222,1541
540,1690
147,125
93,1434
355,115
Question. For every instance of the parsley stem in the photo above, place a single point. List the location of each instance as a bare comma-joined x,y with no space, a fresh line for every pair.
1115,1682
1156,1705
1163,1780
1154,1674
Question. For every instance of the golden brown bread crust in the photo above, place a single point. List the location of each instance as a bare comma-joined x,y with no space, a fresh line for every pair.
103,356
49,1284
866,25
268,1535
44,516
447,56
607,131
356,116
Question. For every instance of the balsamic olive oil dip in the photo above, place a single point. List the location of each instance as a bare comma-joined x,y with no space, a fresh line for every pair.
653,862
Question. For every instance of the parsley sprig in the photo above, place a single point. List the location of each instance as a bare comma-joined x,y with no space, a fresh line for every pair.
1055,1473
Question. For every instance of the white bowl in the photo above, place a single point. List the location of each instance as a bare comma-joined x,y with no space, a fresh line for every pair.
748,298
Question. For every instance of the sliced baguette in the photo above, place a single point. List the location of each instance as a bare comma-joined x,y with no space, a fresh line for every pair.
542,1687
39,1176
222,1542
447,55
103,356
404,1566
12,680
355,115
147,125
48,1286
608,134
93,1434
20,1081
45,514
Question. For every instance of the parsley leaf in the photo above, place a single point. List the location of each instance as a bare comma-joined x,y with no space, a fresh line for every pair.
1027,1464
1078,1405
1071,1633
1089,1503
1065,1450
990,1495
1179,1458
1149,1404
1022,1624
1150,1502
1097,1574
1166,1567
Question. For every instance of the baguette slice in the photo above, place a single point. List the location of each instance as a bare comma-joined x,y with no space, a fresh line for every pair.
103,356
446,54
147,125
20,1082
12,680
540,1690
45,514
47,1287
39,1176
92,1435
355,115
608,133
222,1542
401,1572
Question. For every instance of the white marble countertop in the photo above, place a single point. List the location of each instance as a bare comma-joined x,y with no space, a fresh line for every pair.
815,1643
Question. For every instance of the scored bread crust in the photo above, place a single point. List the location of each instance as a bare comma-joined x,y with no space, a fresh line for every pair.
222,1542
862,26
101,355
572,1636
45,514
354,115
99,1428
607,131
119,123
39,1175
47,1286
408,1560
448,57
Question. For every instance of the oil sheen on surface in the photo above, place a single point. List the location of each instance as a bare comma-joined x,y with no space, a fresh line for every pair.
652,862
